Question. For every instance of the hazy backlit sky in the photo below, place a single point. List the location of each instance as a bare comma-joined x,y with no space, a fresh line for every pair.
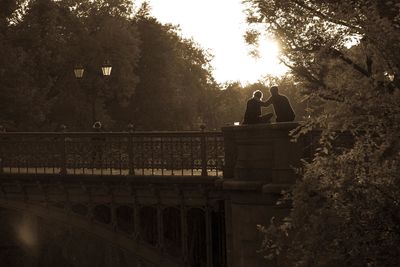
219,26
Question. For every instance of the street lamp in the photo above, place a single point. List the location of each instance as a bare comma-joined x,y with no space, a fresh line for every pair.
106,71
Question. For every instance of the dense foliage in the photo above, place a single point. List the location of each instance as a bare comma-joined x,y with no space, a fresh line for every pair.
159,80
347,56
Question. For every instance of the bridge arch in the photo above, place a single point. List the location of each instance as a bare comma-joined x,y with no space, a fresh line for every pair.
141,250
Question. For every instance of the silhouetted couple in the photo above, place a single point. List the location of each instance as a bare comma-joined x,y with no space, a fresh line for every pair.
282,108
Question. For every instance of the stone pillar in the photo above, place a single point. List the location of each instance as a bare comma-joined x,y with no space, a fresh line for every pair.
230,152
259,162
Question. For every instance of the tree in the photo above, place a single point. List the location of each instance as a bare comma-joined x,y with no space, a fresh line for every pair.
22,102
175,79
231,103
346,56
45,40
104,33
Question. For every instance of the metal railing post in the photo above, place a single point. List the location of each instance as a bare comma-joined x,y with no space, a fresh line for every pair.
131,129
203,152
2,130
63,168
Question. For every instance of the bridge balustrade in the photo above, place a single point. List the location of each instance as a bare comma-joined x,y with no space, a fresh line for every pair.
199,153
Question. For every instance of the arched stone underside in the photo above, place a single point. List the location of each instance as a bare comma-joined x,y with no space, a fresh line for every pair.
141,250
165,221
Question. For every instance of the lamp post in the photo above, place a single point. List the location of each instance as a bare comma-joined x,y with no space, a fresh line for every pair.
106,71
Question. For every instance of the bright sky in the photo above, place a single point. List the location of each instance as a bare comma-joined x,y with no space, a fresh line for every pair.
219,26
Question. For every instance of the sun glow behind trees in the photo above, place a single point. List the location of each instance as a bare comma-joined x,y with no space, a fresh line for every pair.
268,60
220,26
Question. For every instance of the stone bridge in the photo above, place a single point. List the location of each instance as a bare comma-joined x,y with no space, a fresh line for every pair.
163,198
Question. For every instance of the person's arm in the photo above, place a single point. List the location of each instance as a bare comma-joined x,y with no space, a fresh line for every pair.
266,103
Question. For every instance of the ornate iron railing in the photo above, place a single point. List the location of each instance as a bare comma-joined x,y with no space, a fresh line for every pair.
122,153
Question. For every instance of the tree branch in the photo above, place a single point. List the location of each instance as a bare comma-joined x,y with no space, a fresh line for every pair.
326,17
368,61
340,55
303,72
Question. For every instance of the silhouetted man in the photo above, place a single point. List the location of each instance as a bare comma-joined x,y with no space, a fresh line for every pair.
283,109
253,110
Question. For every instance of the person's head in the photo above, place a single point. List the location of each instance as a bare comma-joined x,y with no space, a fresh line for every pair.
97,125
257,94
274,90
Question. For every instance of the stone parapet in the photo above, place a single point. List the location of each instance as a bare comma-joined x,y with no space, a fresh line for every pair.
262,152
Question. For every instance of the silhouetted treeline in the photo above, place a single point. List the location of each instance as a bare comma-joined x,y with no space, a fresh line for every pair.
159,80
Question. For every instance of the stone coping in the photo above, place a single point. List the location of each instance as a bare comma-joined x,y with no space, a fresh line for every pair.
262,126
275,188
240,185
260,186
147,180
